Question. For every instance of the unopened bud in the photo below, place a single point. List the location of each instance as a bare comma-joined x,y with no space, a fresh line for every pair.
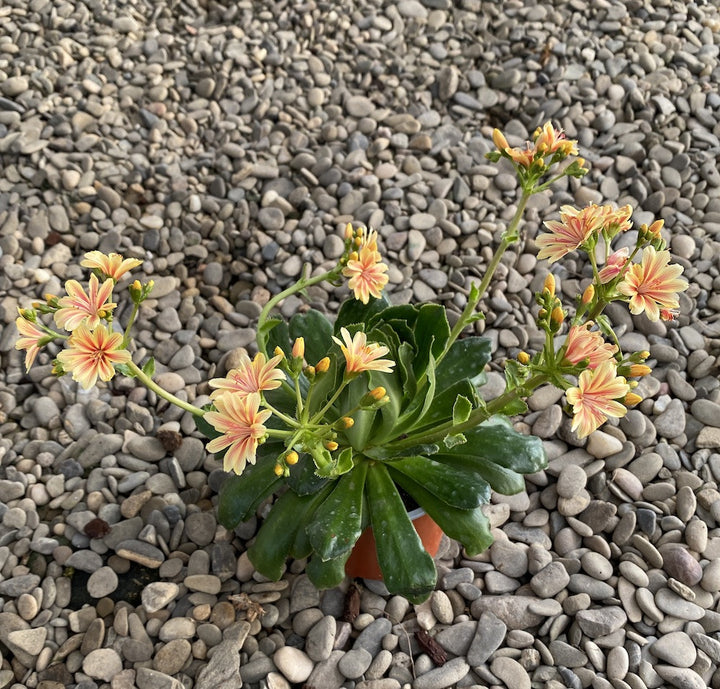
639,370
644,355
550,284
49,297
349,232
331,445
309,371
631,399
279,352
542,313
279,471
499,140
523,357
378,393
588,294
291,458
344,423
655,228
298,349
557,315
323,365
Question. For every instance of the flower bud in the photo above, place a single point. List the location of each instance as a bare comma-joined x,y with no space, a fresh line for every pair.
291,458
279,471
631,399
298,349
550,284
655,228
309,372
349,232
557,315
588,294
331,445
279,352
345,422
323,365
523,357
644,355
639,370
499,140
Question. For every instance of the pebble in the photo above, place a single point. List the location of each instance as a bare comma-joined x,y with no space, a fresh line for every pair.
675,648
294,664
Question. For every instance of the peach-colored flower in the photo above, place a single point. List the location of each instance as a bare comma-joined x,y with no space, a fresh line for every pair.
241,423
367,274
110,265
614,265
368,239
250,377
31,340
616,220
91,354
653,283
361,355
585,344
573,229
596,398
549,140
78,307
523,157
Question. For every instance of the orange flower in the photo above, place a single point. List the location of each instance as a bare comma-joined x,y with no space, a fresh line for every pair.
367,274
110,265
595,398
573,229
616,219
250,378
92,354
523,158
614,265
582,344
653,283
241,424
363,356
78,307
32,339
549,140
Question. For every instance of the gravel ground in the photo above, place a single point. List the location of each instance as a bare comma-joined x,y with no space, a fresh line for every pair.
227,144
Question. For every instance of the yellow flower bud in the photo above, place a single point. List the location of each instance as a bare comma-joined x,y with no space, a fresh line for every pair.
136,285
349,232
378,393
279,352
588,294
331,445
499,140
550,283
298,349
49,297
644,354
323,365
291,458
345,422
523,357
279,471
309,371
638,370
655,228
631,399
557,315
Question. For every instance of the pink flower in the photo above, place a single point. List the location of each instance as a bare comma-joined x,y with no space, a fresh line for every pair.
110,265
31,339
653,283
614,265
78,307
91,354
595,398
573,229
250,378
549,140
241,424
367,274
363,356
583,344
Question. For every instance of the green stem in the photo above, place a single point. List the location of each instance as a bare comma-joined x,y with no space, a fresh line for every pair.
476,417
287,419
330,402
152,385
301,284
126,334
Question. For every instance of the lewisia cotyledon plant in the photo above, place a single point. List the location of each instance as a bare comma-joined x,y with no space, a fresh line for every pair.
346,422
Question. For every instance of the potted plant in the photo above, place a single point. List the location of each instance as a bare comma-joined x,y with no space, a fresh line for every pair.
348,424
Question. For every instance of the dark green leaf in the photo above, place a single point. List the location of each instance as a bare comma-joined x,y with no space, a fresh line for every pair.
515,373
325,384
205,428
407,568
354,311
317,332
276,334
432,332
470,527
328,574
466,358
461,409
455,485
240,496
441,409
513,407
384,453
338,520
303,479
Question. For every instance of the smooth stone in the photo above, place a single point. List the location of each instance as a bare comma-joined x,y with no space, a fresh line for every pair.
295,664
489,635
672,604
354,663
103,663
447,675
681,565
681,678
675,648
550,580
102,582
601,621
510,672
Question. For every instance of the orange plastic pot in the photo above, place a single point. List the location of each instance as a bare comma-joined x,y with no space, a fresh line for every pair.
363,560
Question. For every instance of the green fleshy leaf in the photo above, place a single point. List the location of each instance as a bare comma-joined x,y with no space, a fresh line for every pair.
204,427
384,454
338,521
277,535
149,368
407,568
457,486
461,410
441,409
275,333
514,407
432,332
453,439
353,311
471,527
303,480
515,374
466,358
317,332
124,370
240,496
327,574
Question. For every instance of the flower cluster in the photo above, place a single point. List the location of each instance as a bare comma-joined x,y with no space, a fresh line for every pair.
364,265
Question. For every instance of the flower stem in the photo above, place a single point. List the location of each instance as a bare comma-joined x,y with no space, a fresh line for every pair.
330,402
288,420
133,316
152,385
301,284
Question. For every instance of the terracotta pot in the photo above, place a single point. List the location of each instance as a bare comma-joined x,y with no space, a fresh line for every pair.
363,560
